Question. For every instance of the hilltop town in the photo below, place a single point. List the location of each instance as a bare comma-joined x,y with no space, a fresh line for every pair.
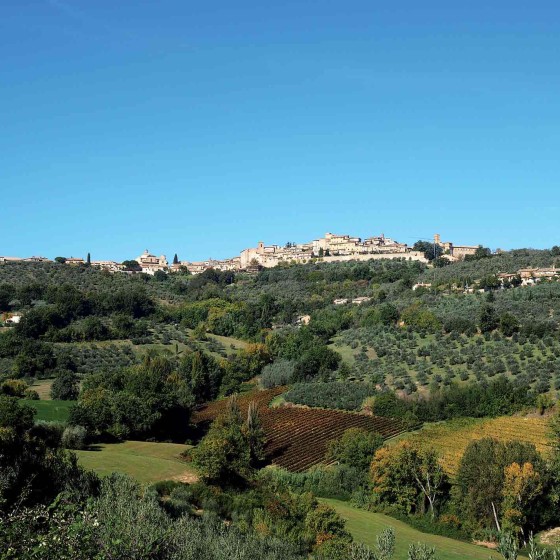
330,248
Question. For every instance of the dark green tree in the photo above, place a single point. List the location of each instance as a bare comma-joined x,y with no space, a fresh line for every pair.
256,437
487,318
132,265
431,250
65,387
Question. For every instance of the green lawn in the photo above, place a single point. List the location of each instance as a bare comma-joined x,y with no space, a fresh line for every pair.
50,411
147,462
365,526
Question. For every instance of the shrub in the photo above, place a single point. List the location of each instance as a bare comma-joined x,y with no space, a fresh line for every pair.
31,395
276,374
334,394
49,432
74,437
13,388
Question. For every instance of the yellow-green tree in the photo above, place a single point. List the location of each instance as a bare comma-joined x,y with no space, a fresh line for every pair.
522,485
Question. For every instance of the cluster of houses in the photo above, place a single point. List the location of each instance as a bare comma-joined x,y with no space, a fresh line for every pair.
523,277
330,248
529,276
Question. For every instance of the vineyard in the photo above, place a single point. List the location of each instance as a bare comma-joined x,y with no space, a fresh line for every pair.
451,438
297,438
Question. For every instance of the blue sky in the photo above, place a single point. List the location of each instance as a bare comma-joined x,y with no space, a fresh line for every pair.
203,127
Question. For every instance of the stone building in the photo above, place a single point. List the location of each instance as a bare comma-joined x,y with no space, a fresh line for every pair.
151,264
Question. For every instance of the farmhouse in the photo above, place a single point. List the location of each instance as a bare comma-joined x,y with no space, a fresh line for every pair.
13,319
421,285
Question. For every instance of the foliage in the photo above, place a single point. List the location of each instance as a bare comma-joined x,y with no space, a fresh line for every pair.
151,399
355,448
230,449
489,488
65,387
74,437
278,373
333,394
409,477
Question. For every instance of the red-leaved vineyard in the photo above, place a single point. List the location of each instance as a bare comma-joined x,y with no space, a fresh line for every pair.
297,437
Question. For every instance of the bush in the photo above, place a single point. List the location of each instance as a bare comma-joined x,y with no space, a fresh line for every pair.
49,432
336,482
74,437
276,374
13,388
335,394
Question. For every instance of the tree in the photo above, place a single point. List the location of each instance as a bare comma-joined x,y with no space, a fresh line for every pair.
431,251
175,259
321,252
429,475
404,473
388,313
482,252
7,294
256,437
487,318
60,260
224,454
160,276
88,259
509,324
522,485
325,522
65,387
132,265
355,448
440,262
393,479
14,417
481,477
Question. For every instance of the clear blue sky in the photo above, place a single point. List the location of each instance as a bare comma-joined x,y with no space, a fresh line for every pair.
203,127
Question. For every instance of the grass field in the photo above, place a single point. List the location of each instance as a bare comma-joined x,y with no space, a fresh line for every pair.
147,462
51,411
43,387
365,526
229,341
347,353
451,438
